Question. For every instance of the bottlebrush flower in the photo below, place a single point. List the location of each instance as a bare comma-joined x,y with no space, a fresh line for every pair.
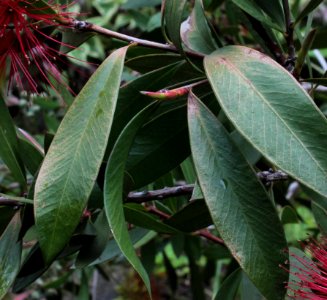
25,47
311,274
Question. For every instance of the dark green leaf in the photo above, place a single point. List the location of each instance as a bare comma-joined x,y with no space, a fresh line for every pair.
161,145
92,250
135,4
71,165
268,12
320,214
271,118
318,81
9,150
171,273
6,213
195,31
310,6
113,190
288,215
303,52
192,253
230,286
192,217
10,253
239,205
149,62
131,101
250,153
173,16
138,236
249,290
32,157
136,214
319,208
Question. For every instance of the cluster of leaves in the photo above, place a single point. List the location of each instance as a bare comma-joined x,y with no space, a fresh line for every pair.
233,102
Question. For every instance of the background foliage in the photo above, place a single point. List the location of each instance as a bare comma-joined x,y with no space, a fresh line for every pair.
241,96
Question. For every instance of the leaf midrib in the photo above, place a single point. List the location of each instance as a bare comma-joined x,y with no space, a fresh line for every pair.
76,151
239,202
246,80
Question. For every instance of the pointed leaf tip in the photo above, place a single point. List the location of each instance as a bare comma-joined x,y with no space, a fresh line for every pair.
71,166
271,109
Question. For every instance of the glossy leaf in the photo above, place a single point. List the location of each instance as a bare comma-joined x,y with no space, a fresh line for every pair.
136,214
173,16
92,250
10,253
150,62
73,160
230,286
32,157
310,6
238,203
160,146
130,101
195,31
138,236
269,108
113,190
9,150
192,217
268,12
319,209
318,81
249,290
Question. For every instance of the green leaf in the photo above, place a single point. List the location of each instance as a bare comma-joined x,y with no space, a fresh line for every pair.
303,52
136,4
10,253
9,150
71,165
318,81
131,101
149,62
6,213
268,12
173,16
238,203
138,236
195,31
249,290
32,156
270,109
311,5
92,250
113,190
230,286
319,209
136,214
165,136
192,217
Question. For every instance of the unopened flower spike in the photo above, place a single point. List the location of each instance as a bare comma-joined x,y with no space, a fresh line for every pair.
172,94
25,50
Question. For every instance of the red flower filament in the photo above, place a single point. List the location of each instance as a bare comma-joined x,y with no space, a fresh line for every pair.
312,275
23,44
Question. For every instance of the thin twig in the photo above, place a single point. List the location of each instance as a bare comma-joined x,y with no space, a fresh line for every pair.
267,177
203,232
89,27
7,200
289,33
209,236
145,196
